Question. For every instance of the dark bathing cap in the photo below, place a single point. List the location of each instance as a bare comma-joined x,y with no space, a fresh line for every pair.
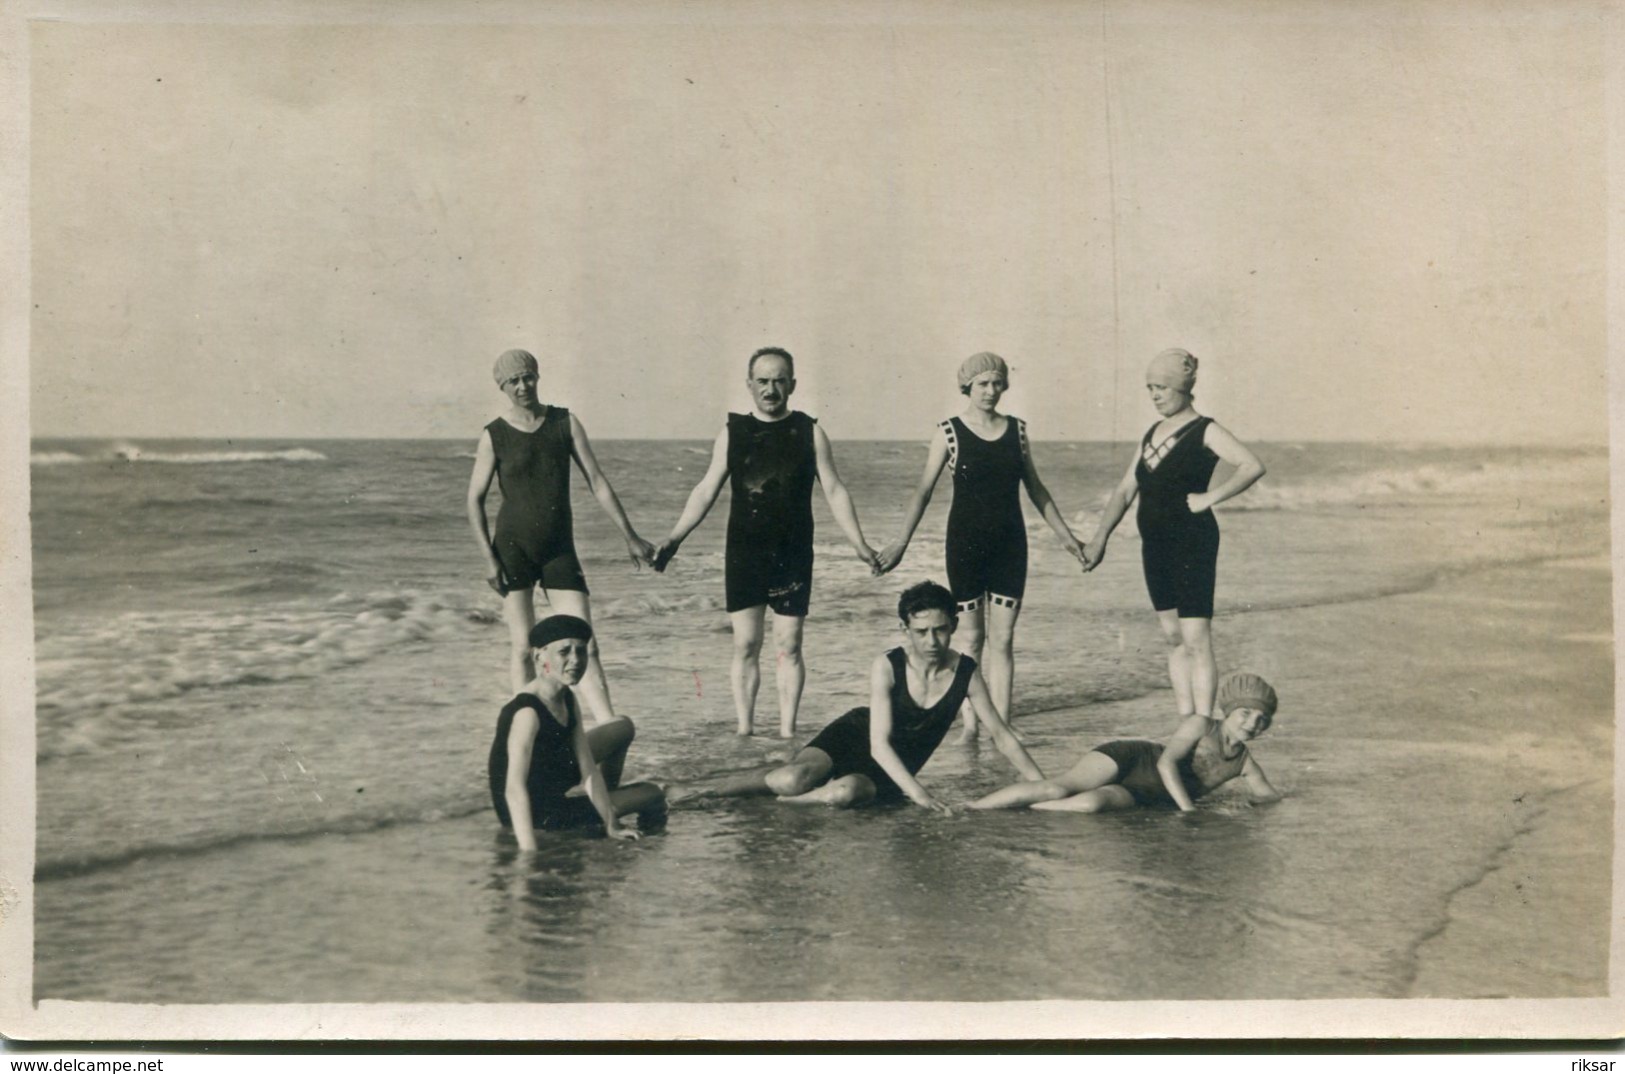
512,363
556,627
1244,688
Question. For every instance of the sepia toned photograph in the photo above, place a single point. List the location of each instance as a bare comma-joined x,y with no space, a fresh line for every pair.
1059,519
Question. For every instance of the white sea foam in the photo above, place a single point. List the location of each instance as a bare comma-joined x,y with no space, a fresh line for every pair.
81,700
127,452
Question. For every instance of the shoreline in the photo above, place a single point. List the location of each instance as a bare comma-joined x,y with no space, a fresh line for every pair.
1529,916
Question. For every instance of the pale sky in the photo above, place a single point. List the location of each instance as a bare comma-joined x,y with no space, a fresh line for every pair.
1370,221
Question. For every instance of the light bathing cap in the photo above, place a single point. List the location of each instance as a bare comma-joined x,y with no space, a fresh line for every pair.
1242,688
556,627
512,363
1176,364
977,364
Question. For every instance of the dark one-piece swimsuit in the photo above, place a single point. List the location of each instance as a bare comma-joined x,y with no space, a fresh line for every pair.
534,539
986,542
915,732
553,769
771,470
1201,770
1179,550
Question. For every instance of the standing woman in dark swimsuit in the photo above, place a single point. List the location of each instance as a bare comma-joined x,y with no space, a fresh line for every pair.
986,541
1179,537
528,450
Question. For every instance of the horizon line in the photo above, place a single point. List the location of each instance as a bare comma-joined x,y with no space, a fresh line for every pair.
1501,442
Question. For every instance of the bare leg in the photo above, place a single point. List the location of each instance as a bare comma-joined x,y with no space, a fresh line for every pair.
999,667
1179,662
841,793
593,687
1197,636
746,672
609,742
1102,800
792,672
805,771
647,800
1092,771
520,615
970,643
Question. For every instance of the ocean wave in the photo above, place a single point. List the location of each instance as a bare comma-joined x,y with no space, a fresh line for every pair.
656,604
126,452
48,869
1428,481
84,704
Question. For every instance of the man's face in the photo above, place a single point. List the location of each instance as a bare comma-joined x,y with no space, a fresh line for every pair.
771,384
929,633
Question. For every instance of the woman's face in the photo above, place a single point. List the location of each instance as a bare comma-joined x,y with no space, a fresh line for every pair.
986,389
1246,724
1166,394
564,660
520,389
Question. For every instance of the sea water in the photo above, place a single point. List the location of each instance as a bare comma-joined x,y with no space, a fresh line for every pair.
268,673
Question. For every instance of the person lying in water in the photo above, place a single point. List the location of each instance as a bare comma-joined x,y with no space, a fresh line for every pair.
541,751
873,753
1203,754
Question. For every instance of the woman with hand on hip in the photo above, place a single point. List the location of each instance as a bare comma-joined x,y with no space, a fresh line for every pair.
1179,537
986,541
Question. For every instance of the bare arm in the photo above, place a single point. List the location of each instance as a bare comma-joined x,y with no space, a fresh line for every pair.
640,550
840,502
1178,748
699,501
1258,785
521,739
1248,469
479,485
1117,505
1044,501
881,681
592,778
982,704
936,457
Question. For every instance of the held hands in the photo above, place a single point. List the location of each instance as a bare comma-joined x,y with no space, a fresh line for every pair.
871,559
891,556
1093,553
663,553
641,551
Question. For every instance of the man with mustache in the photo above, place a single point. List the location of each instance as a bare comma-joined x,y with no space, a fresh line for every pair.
772,456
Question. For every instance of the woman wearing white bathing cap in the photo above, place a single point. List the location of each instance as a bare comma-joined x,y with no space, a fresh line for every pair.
528,449
986,542
1179,537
